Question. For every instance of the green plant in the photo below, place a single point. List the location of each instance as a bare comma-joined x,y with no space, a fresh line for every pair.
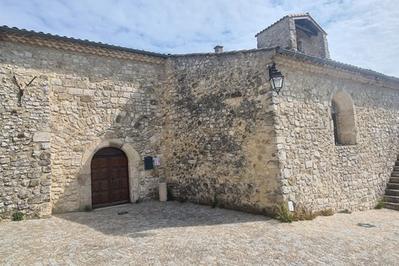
87,208
18,216
302,214
346,211
380,204
326,212
283,214
215,202
169,193
182,199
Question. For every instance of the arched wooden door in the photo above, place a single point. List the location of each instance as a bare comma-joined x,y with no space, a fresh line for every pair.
109,178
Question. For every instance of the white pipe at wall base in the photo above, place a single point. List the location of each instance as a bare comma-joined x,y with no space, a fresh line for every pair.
163,196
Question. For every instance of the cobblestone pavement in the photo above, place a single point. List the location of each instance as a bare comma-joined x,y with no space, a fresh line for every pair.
175,233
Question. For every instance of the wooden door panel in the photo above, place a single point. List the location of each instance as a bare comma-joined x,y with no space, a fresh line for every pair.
109,176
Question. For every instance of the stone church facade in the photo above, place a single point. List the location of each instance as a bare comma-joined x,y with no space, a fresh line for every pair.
73,113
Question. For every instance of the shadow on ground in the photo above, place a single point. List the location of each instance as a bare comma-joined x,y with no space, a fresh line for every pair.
139,219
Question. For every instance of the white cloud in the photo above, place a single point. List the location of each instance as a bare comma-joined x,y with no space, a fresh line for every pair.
361,32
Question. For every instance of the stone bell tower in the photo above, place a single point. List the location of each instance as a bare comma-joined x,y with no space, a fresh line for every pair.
297,32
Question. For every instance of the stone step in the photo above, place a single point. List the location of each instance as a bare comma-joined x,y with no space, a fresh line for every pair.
391,199
395,173
397,163
393,186
392,192
392,206
394,180
396,168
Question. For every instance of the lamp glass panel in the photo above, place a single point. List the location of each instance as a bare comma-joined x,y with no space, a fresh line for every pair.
278,82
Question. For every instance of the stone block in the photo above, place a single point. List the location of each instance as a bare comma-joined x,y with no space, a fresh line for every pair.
75,91
34,182
41,137
86,98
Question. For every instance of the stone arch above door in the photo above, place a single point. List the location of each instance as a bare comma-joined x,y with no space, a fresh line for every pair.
85,172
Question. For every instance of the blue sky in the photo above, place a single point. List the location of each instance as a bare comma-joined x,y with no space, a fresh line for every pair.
360,32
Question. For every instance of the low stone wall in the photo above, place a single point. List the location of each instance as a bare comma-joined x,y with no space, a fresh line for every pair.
316,173
218,137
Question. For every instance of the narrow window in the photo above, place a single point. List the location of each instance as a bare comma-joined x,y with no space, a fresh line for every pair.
334,119
343,119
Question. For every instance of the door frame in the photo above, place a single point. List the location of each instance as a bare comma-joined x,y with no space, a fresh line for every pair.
84,176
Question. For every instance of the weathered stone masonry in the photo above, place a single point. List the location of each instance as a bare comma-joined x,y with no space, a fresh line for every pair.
223,136
83,101
24,143
315,172
220,144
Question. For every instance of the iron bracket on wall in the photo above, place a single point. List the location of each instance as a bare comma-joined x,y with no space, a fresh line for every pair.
21,89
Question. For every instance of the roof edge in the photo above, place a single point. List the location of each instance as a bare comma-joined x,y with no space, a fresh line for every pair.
274,23
308,16
25,32
244,51
294,16
329,62
278,50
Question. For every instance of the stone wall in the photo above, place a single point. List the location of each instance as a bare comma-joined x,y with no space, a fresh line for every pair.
92,100
279,34
224,138
219,142
25,171
285,34
316,173
312,45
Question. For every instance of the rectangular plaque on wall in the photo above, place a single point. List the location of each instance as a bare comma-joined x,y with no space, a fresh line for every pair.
148,163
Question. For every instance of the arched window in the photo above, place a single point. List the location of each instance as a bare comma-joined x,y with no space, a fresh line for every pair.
343,117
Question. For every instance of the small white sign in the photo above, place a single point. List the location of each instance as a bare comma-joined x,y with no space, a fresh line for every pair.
156,160
290,206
